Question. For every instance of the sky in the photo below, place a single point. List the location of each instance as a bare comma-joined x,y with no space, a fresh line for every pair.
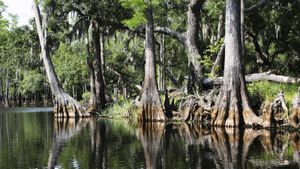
22,8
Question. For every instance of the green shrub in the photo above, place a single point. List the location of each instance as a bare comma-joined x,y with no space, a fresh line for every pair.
267,91
121,109
85,97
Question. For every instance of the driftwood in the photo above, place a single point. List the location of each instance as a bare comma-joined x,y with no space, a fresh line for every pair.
269,76
275,113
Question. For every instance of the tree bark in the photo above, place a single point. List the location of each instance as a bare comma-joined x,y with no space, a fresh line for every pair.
190,40
97,65
64,105
151,109
295,116
192,46
1,92
6,97
232,106
242,26
220,32
92,101
161,72
103,66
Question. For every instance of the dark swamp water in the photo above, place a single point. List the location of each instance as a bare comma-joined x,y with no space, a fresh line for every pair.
32,138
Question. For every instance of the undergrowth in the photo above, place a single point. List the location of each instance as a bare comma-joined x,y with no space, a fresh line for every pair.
121,109
267,91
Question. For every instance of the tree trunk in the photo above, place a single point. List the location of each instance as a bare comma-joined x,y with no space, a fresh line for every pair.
190,40
162,71
6,97
64,105
92,102
103,66
151,109
191,45
295,116
97,65
242,26
1,92
261,59
232,107
220,32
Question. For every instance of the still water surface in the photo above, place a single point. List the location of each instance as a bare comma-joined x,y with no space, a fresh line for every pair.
32,138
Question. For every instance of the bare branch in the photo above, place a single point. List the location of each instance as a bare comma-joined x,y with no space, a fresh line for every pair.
257,5
168,31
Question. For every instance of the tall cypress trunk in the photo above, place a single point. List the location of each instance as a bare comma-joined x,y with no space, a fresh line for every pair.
232,106
151,105
161,72
243,26
1,91
97,65
6,95
92,102
220,27
192,46
102,57
64,105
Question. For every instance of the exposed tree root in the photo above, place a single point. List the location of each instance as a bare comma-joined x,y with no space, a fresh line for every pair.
196,108
295,115
232,110
65,107
151,112
275,113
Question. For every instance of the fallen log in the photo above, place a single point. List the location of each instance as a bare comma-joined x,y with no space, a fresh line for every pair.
268,76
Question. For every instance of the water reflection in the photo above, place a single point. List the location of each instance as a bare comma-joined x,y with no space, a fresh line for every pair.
64,129
229,148
36,140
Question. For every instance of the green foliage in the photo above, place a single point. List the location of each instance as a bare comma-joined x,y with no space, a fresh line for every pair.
121,109
70,64
138,7
85,97
209,55
267,91
32,82
214,7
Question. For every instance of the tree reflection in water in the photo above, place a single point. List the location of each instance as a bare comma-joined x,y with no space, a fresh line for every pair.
178,145
64,129
150,135
232,148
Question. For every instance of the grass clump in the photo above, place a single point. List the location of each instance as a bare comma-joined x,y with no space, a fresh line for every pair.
121,109
267,91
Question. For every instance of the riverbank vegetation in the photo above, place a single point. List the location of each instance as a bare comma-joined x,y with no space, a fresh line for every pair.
183,60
